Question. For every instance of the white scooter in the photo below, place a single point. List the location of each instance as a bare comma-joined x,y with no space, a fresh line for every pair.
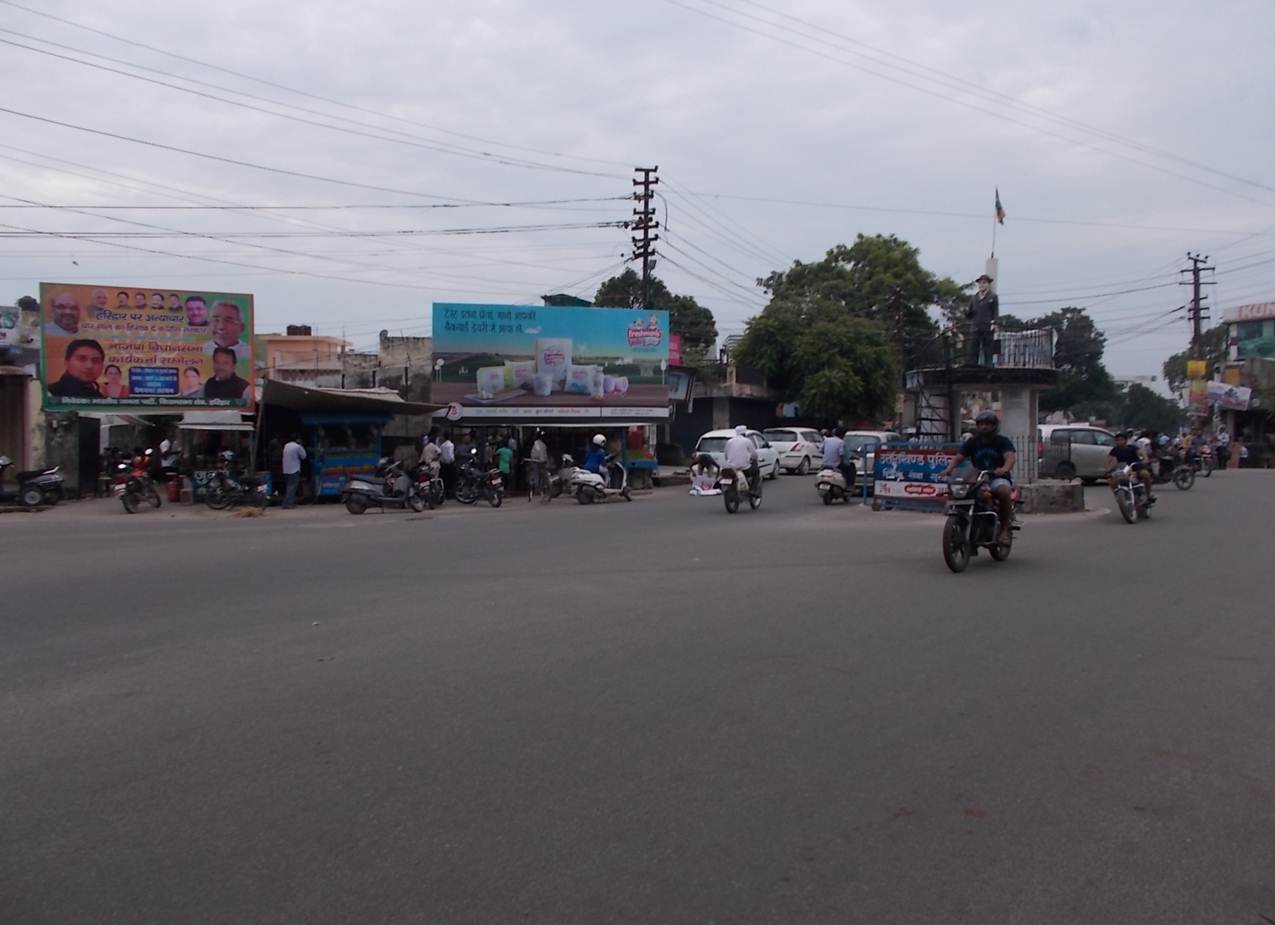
831,485
590,486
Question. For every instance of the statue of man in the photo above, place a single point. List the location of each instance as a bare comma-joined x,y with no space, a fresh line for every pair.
982,312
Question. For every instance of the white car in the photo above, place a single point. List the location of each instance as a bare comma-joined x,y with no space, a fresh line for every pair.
800,449
858,441
714,444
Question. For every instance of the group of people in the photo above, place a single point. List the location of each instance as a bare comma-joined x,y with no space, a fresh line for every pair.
439,451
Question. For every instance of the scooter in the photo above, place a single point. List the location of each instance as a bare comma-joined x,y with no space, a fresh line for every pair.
831,486
36,487
137,485
390,487
590,486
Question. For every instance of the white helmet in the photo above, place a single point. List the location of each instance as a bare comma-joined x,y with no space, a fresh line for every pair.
599,440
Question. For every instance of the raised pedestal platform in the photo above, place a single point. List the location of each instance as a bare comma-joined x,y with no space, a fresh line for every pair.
1052,497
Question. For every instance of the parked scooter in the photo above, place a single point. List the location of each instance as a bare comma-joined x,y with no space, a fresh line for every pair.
389,487
473,481
589,486
138,484
831,486
36,487
429,484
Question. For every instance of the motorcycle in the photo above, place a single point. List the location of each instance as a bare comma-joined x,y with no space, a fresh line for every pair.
389,487
36,487
831,486
590,486
735,485
474,482
973,520
1173,469
137,484
1202,462
225,489
1131,494
429,485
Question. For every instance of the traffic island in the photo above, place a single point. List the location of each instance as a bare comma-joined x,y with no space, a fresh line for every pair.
1052,496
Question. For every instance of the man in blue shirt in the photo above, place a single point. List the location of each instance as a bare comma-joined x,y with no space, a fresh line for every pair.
596,461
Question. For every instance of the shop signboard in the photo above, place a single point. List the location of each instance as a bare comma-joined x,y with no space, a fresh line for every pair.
910,474
1230,397
533,362
145,349
675,350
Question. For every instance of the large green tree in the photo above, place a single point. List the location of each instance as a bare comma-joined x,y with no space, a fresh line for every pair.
1084,385
1213,351
834,365
879,278
687,318
1139,407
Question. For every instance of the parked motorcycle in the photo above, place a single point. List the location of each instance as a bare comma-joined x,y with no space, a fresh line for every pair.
589,486
831,486
473,481
429,485
138,485
229,489
736,485
389,487
35,487
1131,494
973,520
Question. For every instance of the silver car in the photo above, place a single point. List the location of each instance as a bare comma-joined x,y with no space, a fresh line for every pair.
1069,451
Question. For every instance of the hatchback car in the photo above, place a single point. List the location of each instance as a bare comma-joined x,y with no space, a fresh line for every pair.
800,449
714,444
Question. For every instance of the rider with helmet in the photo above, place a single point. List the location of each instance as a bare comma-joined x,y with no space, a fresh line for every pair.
596,461
988,449
1125,453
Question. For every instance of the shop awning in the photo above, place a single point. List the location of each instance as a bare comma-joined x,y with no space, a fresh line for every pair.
308,400
213,420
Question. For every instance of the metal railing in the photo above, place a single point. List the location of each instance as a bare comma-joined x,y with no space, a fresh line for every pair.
1025,349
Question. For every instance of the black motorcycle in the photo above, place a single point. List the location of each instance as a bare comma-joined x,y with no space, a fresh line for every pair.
36,487
229,489
1171,467
737,485
475,481
973,520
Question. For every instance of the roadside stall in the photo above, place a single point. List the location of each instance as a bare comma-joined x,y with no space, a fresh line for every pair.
204,435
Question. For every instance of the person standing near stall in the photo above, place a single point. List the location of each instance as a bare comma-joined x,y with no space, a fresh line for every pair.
447,461
293,453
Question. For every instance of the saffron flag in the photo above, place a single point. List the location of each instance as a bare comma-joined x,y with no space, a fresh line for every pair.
1000,209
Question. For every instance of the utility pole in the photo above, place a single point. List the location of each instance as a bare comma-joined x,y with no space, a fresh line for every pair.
1199,264
645,223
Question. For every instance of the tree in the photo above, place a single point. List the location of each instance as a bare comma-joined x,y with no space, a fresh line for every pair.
687,318
1213,344
1143,409
879,278
835,366
1084,385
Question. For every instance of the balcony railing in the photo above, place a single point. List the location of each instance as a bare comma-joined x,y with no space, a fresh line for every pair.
1025,349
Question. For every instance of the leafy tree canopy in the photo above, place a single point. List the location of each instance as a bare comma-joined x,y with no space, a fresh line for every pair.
1213,347
1083,380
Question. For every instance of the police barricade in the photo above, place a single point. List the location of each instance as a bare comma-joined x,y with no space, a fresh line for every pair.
908,476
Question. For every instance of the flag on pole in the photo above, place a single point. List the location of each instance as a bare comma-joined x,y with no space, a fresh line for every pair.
1000,210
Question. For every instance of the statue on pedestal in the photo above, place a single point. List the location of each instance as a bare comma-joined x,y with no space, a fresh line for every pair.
983,310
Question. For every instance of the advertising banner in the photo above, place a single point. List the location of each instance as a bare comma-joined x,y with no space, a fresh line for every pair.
675,350
20,336
1197,396
534,362
1230,397
139,349
910,472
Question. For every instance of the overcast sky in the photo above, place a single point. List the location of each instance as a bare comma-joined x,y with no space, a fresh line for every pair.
1120,136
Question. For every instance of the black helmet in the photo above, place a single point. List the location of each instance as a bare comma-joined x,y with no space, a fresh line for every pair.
988,417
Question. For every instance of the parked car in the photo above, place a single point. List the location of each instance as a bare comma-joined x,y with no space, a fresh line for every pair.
1068,451
714,444
800,449
858,440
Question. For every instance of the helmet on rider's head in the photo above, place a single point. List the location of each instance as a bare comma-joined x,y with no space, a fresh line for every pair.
599,440
988,417
1164,440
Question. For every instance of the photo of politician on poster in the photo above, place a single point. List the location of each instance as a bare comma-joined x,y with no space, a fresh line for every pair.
144,348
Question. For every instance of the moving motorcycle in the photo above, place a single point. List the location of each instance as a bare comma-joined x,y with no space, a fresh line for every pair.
474,482
589,486
1131,494
389,487
1202,462
138,485
736,485
36,487
831,486
1170,467
973,520
429,484
225,489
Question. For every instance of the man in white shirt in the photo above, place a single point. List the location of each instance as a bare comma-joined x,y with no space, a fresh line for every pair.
293,453
741,455
447,460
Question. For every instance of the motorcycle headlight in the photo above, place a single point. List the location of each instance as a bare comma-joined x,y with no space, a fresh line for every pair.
960,489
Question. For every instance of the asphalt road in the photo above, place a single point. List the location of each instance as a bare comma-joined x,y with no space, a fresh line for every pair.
653,712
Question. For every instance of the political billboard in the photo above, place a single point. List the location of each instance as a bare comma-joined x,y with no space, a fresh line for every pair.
526,361
143,348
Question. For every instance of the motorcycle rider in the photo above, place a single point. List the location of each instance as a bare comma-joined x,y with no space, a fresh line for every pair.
741,455
833,444
1125,453
989,449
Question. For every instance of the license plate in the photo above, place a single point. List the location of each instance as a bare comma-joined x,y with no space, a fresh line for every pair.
728,481
823,488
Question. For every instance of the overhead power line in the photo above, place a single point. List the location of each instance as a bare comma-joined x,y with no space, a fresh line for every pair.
321,208
391,233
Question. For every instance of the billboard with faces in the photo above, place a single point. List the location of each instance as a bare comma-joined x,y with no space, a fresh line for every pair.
143,348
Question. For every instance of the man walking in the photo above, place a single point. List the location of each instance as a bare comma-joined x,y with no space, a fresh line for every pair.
447,461
293,453
983,310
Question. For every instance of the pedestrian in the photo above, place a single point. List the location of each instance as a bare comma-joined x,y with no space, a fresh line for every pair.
539,466
512,443
447,460
1223,447
293,453
505,463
